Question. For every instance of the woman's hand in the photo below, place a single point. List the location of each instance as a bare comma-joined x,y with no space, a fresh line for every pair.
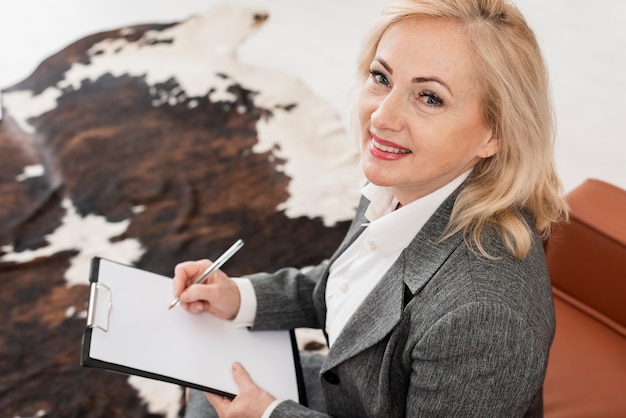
218,294
251,402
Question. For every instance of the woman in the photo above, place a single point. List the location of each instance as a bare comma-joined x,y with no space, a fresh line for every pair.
438,302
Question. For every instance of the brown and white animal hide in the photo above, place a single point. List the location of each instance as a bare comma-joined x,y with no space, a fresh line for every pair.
151,145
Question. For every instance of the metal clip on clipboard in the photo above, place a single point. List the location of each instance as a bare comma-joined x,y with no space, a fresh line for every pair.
94,290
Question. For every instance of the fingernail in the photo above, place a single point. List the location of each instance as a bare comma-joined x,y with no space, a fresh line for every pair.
184,297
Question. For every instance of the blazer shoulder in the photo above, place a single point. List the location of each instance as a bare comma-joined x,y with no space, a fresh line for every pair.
466,276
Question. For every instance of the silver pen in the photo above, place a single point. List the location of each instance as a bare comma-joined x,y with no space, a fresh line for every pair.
217,264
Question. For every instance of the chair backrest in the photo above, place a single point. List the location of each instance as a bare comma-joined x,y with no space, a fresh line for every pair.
587,255
586,375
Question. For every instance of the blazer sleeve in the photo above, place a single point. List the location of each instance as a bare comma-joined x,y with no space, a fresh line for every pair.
285,298
482,359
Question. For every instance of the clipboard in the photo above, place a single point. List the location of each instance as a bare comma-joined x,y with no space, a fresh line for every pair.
130,330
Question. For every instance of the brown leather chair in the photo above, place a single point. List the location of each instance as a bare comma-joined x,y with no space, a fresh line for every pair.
587,260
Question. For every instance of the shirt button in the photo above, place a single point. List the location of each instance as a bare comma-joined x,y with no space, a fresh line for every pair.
344,287
331,377
373,246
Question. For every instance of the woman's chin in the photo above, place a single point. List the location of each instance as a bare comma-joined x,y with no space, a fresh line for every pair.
375,175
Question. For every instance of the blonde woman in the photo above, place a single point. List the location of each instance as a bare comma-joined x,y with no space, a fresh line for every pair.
438,302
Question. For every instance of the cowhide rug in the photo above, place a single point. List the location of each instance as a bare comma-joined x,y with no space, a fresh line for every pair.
150,145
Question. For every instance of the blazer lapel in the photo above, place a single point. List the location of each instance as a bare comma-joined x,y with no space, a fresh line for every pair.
381,310
427,252
377,315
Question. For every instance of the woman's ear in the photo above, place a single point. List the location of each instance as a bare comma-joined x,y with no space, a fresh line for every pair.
491,146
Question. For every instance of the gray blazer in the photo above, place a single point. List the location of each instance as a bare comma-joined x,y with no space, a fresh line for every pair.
446,332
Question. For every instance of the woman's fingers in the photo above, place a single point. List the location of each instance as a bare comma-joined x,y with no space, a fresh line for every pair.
251,402
242,378
219,296
185,274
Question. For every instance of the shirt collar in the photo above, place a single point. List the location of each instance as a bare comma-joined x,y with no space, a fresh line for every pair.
393,230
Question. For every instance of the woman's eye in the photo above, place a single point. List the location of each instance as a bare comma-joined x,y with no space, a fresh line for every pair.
430,99
379,77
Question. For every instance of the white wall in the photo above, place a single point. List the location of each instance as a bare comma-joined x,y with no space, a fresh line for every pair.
584,42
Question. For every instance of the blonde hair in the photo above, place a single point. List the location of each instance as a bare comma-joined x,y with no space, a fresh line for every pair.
511,72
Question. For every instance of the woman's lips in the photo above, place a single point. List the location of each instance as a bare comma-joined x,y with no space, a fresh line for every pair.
386,150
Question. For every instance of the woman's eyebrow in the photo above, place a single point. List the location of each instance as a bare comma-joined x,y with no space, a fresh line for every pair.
384,64
388,68
432,79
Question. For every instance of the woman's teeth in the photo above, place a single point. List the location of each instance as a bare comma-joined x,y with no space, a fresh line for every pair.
386,148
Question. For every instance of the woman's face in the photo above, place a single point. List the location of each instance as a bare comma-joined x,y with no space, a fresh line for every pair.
420,109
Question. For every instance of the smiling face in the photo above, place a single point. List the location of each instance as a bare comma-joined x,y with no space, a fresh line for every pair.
420,110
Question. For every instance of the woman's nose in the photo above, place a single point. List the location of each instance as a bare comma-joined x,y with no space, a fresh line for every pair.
388,113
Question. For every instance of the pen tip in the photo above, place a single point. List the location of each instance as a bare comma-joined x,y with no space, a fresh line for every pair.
174,303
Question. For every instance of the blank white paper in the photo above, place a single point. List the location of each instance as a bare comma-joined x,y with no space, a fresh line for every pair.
143,334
